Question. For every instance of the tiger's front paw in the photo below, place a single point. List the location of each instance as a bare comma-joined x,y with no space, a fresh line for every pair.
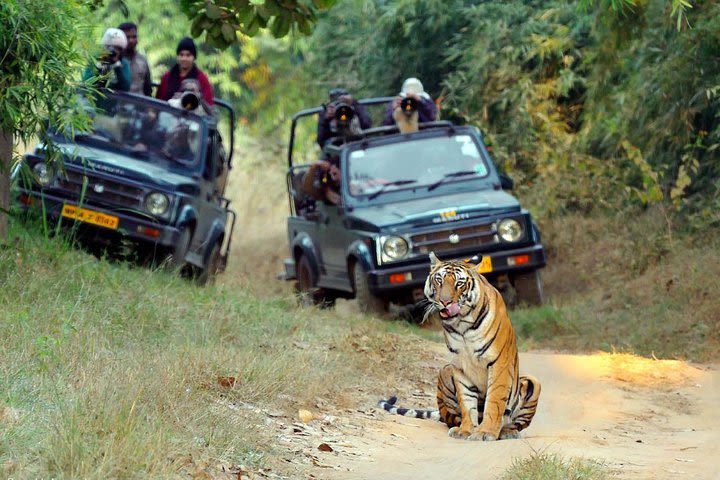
480,435
509,433
458,432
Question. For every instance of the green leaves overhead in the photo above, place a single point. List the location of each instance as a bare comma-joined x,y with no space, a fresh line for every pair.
221,20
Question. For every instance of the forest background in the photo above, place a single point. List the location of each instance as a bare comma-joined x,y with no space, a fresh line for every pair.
589,106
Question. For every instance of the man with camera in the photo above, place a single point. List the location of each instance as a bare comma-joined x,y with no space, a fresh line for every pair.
337,119
110,68
412,106
322,181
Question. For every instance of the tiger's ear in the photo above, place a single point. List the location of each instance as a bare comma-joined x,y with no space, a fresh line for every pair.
433,259
475,260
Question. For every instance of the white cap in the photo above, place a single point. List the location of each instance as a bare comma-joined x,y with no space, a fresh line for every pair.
114,37
413,86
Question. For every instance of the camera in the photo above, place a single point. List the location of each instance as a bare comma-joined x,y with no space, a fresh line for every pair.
408,105
344,114
110,55
189,101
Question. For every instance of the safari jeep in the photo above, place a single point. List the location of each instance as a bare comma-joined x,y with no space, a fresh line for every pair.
403,196
147,176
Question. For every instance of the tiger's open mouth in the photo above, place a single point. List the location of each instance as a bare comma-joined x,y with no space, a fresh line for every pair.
450,311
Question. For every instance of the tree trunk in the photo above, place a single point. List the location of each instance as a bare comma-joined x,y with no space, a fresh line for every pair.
6,151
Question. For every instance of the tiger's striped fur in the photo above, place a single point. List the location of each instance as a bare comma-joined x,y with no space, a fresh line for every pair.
480,394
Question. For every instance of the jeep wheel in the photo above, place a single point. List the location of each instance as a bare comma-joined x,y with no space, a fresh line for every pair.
367,302
528,287
211,268
306,287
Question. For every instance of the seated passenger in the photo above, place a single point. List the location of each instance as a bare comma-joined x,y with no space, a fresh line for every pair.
185,68
193,86
322,182
412,106
327,123
177,144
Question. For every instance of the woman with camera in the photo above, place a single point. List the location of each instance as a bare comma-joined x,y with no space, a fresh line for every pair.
183,69
110,66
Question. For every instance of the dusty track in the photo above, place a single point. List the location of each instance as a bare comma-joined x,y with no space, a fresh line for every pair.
644,419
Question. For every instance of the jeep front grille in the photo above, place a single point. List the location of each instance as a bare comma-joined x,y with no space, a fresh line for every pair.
101,190
454,238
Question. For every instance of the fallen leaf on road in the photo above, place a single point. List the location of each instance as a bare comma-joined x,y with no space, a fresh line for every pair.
324,447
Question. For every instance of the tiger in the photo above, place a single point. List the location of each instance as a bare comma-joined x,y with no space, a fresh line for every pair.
480,393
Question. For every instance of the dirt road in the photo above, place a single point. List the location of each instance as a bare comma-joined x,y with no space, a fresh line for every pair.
644,419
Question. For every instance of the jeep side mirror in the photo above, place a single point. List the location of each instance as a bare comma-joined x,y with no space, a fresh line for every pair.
506,183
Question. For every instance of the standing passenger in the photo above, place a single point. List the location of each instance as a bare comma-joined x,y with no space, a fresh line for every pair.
185,68
139,68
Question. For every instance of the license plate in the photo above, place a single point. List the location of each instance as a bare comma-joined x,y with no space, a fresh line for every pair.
90,216
485,265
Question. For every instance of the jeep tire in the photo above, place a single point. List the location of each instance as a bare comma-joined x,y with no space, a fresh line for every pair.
207,275
367,302
306,287
528,287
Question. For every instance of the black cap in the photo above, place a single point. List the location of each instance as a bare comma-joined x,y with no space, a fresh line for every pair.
188,44
336,93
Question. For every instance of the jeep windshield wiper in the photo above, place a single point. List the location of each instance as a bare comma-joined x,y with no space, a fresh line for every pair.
389,184
447,176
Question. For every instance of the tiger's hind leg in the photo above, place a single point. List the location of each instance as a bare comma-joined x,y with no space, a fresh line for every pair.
447,398
528,395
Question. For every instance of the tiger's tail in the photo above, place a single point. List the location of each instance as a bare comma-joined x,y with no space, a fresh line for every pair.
390,406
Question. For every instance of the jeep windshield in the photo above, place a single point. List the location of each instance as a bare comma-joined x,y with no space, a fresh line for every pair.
152,133
422,165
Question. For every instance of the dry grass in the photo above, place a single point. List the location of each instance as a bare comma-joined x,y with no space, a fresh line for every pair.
627,284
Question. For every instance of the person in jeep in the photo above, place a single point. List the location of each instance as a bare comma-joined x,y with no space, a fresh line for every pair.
413,89
110,65
327,123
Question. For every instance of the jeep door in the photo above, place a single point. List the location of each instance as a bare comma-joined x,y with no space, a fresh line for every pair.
334,240
208,206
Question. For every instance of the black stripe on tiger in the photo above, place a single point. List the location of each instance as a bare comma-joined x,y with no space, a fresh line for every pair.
389,405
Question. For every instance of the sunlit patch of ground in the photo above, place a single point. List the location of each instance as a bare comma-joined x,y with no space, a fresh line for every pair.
636,370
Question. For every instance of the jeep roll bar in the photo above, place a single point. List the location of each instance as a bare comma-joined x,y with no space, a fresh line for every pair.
316,110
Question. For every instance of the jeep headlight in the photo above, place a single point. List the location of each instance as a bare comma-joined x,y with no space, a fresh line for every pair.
43,174
510,230
157,203
393,248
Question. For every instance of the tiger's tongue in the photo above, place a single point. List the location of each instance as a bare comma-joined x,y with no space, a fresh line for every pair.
453,309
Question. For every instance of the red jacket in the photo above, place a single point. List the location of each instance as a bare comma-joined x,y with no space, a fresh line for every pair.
170,83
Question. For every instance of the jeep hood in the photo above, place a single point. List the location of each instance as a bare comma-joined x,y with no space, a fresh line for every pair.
436,210
121,165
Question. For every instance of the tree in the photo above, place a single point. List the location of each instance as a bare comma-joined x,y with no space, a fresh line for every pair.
222,19
39,58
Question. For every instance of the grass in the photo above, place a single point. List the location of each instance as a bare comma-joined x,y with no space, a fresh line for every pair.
113,371
545,466
626,284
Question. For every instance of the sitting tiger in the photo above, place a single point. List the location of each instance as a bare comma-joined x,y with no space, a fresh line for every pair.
480,394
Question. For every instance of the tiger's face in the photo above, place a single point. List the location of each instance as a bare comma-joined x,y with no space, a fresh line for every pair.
451,288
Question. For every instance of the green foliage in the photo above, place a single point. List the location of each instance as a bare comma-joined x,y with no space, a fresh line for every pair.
222,19
40,58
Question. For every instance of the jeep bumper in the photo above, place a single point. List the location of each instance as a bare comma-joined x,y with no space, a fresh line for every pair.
384,281
134,227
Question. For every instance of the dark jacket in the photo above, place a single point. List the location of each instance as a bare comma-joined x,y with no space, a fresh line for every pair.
324,131
170,84
427,112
